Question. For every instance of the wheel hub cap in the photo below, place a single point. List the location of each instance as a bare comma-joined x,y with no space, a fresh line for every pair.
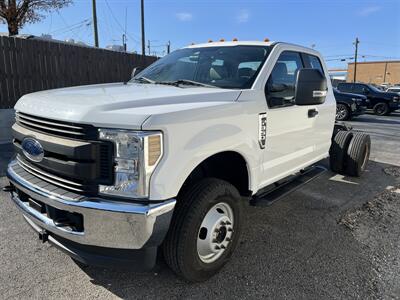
340,112
215,233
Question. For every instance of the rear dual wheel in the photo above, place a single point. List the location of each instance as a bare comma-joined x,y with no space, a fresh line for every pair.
349,153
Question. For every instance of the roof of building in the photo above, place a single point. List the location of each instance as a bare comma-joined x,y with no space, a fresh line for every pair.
375,62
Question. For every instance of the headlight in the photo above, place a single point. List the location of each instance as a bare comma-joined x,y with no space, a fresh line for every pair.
396,99
357,100
137,153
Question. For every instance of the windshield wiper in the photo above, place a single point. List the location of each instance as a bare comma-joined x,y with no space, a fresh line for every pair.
185,82
174,83
144,79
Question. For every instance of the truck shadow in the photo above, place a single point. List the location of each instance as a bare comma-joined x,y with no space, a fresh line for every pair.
294,248
361,119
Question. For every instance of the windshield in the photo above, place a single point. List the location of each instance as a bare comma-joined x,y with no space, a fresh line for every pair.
234,67
375,89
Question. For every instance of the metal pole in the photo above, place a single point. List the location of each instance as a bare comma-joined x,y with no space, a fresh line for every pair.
124,41
355,60
148,46
96,35
169,47
384,74
142,22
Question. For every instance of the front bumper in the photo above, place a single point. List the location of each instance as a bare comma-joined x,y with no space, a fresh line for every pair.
394,105
359,110
108,227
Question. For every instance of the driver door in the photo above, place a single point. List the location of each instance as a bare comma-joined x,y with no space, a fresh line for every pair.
289,137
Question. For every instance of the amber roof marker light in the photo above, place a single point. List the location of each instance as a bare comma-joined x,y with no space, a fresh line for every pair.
266,40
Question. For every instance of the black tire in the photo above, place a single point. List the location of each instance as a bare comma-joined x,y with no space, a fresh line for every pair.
358,154
180,245
381,109
342,112
338,151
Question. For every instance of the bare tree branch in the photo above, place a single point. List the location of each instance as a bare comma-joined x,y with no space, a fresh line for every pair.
19,12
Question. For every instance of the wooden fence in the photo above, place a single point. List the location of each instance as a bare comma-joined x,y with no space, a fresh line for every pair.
29,65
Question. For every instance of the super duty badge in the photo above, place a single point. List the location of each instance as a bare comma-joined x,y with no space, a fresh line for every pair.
262,129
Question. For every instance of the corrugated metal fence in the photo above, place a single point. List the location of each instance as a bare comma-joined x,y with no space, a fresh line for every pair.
29,65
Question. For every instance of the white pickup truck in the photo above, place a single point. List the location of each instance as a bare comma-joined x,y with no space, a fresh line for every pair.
112,173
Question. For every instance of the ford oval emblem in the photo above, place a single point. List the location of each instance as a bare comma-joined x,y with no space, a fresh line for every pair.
32,149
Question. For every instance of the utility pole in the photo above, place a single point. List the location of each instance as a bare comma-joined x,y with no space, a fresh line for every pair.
124,35
355,59
124,41
168,47
148,46
142,22
385,72
96,34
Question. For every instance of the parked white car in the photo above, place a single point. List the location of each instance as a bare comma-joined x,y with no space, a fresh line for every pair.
112,173
394,89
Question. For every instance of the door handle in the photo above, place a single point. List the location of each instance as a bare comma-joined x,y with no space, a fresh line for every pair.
312,113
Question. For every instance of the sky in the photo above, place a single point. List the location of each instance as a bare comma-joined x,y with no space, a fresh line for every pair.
330,26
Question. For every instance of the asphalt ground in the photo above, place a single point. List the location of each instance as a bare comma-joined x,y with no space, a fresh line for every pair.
335,238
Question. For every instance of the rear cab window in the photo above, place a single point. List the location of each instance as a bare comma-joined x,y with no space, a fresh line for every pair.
314,62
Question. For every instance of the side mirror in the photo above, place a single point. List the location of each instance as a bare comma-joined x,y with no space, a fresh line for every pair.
311,87
136,71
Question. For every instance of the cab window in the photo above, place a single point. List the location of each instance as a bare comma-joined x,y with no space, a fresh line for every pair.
281,84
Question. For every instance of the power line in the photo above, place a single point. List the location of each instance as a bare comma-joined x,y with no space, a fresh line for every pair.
71,30
71,27
118,23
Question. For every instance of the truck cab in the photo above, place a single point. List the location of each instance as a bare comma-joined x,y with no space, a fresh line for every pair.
113,173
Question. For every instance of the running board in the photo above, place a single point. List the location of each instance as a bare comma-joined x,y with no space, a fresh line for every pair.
275,192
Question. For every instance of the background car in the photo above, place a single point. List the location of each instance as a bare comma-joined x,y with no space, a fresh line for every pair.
349,105
394,89
383,103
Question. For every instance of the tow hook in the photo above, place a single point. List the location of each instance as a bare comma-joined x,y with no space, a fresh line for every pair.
43,236
8,189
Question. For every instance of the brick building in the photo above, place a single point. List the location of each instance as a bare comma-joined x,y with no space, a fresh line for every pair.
376,72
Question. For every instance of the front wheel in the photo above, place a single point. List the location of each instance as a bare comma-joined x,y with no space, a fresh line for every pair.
381,109
205,229
342,112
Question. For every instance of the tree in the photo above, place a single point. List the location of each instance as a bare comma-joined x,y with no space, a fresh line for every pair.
17,13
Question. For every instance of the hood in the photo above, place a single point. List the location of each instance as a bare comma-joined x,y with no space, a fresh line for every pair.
119,105
391,94
384,94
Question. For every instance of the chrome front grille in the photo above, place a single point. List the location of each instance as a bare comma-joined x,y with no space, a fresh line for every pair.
74,158
55,127
50,178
